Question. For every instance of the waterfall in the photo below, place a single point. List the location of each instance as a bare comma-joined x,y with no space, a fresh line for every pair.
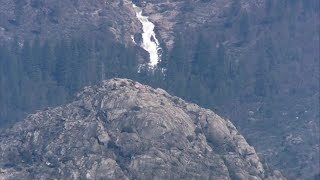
149,40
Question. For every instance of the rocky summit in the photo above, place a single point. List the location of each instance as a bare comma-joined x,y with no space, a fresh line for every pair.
125,130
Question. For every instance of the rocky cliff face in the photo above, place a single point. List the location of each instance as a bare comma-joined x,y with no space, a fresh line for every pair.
49,19
30,19
126,130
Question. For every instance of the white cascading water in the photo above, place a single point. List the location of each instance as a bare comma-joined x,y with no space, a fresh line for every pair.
149,41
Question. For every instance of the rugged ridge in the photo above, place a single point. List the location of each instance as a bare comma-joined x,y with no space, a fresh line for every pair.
126,130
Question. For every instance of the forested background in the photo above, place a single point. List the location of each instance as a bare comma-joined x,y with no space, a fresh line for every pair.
36,75
266,80
264,63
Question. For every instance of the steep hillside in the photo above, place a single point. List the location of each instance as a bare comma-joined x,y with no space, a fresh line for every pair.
125,130
52,20
255,62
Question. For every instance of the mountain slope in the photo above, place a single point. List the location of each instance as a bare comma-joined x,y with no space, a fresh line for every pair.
125,130
52,20
253,61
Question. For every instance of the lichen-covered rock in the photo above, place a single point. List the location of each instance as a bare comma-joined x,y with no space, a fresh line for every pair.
126,130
